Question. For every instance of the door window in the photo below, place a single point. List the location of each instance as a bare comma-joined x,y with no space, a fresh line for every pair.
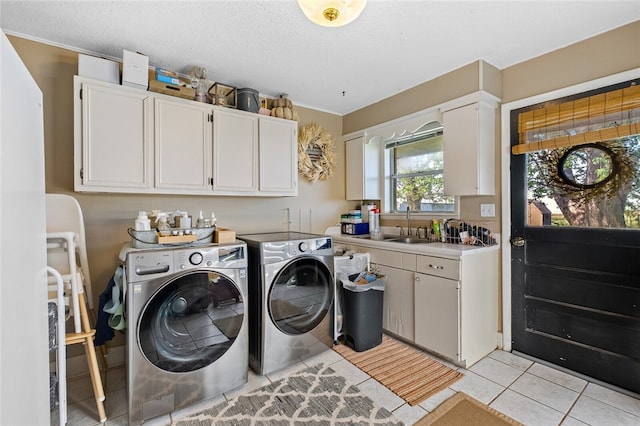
301,296
583,159
191,322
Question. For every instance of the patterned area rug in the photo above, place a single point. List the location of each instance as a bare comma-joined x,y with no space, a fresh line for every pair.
407,372
314,396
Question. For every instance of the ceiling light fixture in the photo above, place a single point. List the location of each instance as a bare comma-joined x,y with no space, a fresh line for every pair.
332,13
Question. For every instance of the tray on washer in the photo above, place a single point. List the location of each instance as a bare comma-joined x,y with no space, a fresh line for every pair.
154,239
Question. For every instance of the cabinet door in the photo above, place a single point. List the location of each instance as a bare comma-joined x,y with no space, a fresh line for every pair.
397,312
278,156
112,129
362,169
183,136
437,315
235,152
469,150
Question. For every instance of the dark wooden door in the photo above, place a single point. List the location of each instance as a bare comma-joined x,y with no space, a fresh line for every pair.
575,291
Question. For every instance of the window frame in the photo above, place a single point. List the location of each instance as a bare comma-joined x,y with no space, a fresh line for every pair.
389,195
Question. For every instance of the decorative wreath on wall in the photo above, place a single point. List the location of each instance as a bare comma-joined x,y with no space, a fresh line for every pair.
316,153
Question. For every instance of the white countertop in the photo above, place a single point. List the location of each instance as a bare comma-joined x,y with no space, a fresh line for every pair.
455,251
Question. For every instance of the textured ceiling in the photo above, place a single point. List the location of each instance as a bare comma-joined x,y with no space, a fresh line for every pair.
270,46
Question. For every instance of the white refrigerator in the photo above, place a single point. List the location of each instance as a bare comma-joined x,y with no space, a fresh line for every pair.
24,347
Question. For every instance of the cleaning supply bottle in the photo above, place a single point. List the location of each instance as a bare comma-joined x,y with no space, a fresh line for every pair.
185,221
213,220
375,232
200,222
142,222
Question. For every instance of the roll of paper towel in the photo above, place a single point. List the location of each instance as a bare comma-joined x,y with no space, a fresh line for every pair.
366,211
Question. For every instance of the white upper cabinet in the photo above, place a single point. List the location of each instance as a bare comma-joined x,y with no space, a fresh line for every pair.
469,145
235,152
112,138
183,134
362,169
278,156
133,141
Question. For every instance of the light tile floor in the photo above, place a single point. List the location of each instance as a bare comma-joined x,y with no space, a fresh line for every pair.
529,392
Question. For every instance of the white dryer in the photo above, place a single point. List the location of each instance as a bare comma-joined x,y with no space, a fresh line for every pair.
187,332
291,290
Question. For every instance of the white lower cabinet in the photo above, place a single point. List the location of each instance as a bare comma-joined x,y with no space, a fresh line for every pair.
437,315
456,306
448,306
397,311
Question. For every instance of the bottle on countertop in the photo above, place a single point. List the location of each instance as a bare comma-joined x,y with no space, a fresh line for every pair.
142,222
185,221
213,220
374,225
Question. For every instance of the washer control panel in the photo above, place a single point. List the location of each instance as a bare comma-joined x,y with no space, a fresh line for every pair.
147,264
194,258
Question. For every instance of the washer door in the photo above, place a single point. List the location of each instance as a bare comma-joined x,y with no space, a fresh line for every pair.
300,296
191,321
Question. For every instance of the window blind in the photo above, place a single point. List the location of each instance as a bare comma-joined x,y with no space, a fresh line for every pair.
592,119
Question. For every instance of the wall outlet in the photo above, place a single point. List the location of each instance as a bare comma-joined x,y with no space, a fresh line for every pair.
487,210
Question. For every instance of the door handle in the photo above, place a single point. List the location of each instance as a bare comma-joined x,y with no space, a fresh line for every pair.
517,242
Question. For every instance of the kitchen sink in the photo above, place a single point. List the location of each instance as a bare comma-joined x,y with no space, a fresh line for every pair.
397,239
408,240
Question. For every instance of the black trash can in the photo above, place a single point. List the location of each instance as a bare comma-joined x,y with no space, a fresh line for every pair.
362,316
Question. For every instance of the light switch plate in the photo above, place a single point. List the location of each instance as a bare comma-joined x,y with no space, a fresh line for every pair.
487,210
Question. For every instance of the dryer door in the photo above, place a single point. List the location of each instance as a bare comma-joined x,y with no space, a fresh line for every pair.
191,321
300,296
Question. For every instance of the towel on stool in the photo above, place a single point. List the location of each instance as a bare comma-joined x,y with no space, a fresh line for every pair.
109,302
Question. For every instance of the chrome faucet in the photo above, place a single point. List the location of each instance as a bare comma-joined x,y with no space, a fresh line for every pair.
401,231
408,221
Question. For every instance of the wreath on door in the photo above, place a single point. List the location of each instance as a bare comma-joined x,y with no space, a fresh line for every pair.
316,153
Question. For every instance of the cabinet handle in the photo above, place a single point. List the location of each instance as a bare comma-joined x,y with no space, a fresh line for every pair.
436,266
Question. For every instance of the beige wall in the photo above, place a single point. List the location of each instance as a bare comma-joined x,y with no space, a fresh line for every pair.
600,56
107,216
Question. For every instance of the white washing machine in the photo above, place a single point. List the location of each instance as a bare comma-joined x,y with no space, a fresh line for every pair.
291,288
187,332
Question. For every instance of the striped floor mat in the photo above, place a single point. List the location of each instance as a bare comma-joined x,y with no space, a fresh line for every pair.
407,372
